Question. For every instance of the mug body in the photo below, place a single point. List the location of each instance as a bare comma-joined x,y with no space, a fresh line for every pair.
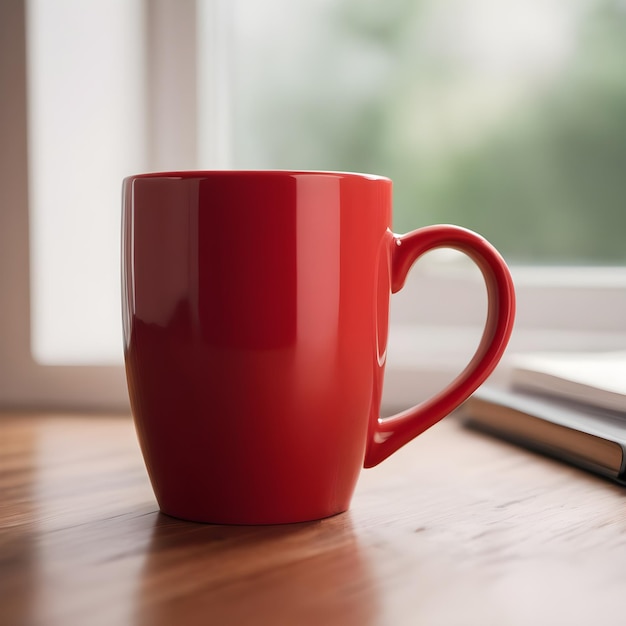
255,308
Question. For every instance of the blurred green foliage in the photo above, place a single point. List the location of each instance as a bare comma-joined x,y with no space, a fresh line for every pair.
536,163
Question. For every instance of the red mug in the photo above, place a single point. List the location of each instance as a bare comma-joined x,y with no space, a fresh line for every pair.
255,309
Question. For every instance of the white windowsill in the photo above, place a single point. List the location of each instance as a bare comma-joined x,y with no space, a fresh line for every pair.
423,360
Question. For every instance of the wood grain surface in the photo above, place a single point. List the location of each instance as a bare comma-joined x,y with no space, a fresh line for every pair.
456,528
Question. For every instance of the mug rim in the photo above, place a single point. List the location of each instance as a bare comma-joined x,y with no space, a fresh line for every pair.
215,173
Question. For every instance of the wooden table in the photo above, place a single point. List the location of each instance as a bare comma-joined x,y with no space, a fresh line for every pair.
456,528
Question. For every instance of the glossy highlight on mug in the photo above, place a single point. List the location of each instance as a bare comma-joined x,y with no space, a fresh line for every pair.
255,308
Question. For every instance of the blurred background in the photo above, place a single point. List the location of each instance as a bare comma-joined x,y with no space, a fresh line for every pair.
504,116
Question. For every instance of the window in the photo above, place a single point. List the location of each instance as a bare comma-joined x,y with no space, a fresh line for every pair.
506,117
86,131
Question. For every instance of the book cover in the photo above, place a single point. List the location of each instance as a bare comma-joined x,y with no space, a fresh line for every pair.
591,438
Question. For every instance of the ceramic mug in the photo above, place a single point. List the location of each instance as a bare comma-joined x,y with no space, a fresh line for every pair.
255,309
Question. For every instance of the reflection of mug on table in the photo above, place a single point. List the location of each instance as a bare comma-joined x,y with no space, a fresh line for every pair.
307,573
255,310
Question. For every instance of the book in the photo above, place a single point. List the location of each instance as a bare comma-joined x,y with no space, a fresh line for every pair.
594,378
586,436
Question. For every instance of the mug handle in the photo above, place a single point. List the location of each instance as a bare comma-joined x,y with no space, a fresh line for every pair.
388,434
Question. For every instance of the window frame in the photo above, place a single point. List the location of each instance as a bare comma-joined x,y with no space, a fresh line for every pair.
24,383
558,308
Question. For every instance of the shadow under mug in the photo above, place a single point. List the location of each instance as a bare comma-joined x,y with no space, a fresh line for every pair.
255,310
